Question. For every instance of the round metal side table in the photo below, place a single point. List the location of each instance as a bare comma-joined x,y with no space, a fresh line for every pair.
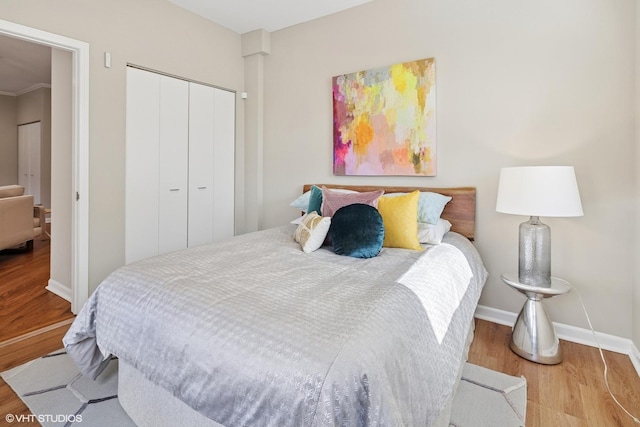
533,336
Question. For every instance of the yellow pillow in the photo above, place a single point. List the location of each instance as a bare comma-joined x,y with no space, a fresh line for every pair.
400,217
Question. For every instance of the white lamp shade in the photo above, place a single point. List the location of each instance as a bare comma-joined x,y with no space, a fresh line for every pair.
539,191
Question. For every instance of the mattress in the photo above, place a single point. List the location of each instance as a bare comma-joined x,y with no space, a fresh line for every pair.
253,331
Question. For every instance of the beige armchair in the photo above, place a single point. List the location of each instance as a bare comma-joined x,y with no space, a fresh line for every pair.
20,220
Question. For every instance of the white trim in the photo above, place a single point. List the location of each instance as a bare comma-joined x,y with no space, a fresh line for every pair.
635,357
569,333
33,87
28,335
59,289
495,315
585,337
27,90
80,150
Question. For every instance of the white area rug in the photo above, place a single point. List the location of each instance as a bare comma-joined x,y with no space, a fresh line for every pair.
58,395
487,398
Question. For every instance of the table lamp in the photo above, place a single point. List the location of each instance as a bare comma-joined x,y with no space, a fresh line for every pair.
537,191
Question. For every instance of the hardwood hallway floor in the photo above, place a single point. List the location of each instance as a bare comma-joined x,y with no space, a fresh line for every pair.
25,304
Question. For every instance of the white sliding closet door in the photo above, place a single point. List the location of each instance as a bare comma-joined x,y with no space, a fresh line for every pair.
29,143
179,164
224,165
142,165
201,142
174,146
211,164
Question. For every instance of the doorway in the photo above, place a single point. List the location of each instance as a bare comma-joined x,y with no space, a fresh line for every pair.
74,197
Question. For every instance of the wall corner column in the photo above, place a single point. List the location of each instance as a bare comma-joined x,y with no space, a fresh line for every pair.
255,46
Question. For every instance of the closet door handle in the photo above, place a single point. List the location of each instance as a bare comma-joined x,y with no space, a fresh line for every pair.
202,188
174,189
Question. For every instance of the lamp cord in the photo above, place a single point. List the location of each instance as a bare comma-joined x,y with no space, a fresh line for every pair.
604,362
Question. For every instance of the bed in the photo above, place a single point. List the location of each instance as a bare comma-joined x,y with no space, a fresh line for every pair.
254,331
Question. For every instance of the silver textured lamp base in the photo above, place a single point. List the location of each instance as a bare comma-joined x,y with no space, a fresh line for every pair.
534,253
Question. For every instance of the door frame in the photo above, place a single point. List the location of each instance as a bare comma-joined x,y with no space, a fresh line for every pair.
79,256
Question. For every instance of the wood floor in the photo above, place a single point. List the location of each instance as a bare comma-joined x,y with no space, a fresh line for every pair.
571,394
25,304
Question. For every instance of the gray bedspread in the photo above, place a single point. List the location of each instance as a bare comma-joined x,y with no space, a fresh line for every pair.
252,331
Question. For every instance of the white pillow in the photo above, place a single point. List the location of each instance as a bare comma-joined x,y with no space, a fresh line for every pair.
312,231
433,233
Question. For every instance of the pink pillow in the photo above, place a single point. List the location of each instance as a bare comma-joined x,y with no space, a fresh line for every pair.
334,200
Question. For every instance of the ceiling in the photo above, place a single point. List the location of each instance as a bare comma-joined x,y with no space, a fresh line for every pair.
243,16
25,65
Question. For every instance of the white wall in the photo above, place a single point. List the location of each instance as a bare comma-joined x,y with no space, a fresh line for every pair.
518,83
150,33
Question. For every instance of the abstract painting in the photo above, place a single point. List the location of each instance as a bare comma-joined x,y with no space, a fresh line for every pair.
384,121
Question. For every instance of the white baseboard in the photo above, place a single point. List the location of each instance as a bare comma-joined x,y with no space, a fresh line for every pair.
59,289
495,315
635,358
570,333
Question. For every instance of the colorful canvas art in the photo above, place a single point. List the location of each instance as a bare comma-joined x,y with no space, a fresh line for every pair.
384,121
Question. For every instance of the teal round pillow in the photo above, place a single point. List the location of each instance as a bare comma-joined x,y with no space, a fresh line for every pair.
357,230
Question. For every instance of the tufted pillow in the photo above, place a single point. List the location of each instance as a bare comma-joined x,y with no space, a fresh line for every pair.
333,200
357,230
312,231
400,215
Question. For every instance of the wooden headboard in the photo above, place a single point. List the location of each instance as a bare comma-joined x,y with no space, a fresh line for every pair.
460,211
